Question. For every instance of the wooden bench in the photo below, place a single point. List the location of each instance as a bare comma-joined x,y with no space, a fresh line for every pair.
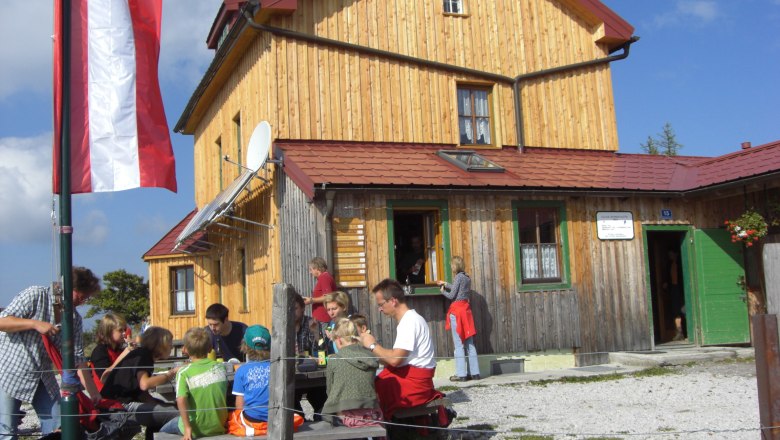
431,407
314,430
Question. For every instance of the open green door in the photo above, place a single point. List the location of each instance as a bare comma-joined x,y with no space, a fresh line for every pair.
719,266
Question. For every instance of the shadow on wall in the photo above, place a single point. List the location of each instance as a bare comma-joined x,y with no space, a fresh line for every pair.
483,320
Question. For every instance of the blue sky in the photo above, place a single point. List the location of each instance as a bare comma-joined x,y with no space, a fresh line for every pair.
709,68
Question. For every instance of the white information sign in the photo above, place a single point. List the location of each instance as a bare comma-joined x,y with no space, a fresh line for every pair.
617,225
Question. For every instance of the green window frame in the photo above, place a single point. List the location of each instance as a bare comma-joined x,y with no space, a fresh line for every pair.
533,206
441,241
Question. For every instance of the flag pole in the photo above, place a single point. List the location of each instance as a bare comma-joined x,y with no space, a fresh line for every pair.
68,401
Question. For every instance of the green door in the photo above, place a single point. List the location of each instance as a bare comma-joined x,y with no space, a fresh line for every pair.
719,266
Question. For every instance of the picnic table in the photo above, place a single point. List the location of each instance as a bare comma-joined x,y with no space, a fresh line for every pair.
303,380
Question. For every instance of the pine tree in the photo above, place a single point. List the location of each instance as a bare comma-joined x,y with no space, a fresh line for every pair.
650,146
668,141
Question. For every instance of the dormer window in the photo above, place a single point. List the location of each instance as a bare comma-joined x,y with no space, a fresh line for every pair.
223,35
453,6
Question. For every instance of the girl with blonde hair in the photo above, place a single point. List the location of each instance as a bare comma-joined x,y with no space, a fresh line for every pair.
350,380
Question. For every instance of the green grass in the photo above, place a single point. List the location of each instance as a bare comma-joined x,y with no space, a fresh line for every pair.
649,372
447,388
518,416
536,437
520,429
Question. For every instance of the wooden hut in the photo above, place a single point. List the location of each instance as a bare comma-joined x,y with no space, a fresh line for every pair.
484,129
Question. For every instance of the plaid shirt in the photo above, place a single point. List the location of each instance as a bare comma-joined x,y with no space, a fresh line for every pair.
26,361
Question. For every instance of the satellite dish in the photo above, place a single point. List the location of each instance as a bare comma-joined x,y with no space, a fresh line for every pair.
259,145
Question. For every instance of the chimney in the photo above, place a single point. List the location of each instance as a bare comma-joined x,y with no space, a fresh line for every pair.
745,145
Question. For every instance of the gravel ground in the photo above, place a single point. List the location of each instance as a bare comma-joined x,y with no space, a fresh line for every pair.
715,400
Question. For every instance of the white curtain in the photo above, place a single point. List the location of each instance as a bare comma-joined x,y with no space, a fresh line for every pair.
532,269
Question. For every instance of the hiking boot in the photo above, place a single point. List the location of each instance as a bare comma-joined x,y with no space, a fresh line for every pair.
458,379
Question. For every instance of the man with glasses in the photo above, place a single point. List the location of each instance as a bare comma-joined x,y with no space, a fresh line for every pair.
27,374
407,379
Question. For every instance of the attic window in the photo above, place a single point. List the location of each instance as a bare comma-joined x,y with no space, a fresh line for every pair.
469,160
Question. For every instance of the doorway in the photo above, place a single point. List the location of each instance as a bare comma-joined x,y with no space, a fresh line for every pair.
669,283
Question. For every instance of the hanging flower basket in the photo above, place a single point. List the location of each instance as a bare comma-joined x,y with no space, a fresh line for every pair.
748,228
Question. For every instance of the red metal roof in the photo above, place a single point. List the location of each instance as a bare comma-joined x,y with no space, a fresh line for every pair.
313,163
166,244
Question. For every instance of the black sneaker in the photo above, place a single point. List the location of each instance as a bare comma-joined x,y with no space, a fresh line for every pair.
458,379
475,377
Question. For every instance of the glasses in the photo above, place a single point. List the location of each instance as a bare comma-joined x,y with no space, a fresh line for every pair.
381,304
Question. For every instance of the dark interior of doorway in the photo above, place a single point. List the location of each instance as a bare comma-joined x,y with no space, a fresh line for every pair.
668,300
409,227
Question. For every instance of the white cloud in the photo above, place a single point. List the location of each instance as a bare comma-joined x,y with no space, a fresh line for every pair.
154,226
687,12
25,189
91,229
26,28
185,27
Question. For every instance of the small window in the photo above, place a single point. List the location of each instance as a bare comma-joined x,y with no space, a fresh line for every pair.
244,291
183,290
219,160
419,240
474,116
453,6
218,279
223,35
239,150
540,234
469,160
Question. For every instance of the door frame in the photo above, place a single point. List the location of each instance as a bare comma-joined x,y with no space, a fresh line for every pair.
689,278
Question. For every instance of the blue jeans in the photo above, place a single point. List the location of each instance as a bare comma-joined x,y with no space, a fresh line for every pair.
46,408
460,354
172,427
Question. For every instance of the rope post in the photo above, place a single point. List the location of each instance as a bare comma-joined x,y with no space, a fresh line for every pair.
767,374
280,398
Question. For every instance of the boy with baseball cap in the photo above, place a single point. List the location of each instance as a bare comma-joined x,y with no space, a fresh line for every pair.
251,384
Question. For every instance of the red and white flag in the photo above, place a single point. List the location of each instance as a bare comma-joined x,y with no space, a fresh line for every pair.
119,136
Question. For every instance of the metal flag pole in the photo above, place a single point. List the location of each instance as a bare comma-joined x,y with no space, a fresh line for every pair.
68,402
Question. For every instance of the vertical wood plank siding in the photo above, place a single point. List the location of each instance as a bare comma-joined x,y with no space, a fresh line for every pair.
299,240
313,91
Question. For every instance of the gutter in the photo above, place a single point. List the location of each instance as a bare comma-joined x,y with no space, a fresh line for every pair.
246,18
492,190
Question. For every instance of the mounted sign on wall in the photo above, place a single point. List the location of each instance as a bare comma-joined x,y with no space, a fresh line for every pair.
615,225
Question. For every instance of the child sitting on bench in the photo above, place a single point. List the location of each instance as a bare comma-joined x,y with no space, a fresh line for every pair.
350,380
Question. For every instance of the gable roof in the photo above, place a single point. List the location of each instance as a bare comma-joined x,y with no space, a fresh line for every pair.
311,164
167,243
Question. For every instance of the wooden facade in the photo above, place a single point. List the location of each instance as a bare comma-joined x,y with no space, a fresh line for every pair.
316,91
313,89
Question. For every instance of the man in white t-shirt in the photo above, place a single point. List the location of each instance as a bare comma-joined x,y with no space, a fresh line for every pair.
407,379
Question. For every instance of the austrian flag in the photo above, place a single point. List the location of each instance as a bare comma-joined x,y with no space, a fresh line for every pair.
119,137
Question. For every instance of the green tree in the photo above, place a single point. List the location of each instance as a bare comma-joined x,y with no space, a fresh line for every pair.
124,293
650,147
666,143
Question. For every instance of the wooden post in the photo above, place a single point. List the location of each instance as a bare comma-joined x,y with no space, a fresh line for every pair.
281,394
771,260
768,374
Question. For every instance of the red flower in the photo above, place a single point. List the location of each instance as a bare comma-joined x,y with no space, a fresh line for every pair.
749,243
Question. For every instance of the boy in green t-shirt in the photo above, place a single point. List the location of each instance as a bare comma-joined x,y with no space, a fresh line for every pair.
201,389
